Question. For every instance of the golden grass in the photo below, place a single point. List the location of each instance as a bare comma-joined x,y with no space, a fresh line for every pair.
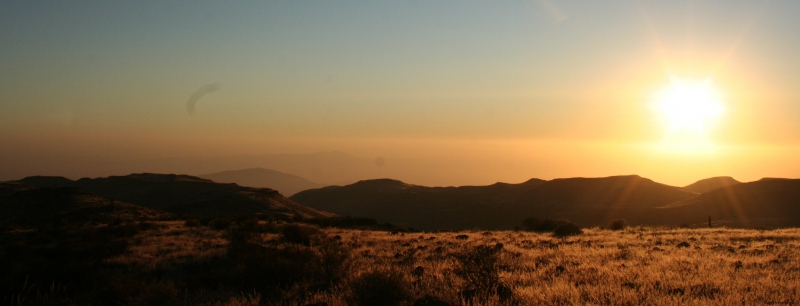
637,266
172,244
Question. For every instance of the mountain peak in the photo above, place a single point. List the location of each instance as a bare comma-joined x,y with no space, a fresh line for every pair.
709,184
46,181
384,183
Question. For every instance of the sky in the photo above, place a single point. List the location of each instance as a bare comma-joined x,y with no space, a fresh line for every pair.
430,92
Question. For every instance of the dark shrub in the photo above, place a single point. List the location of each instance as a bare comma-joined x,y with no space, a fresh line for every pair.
618,225
241,218
220,224
379,288
156,293
249,225
334,263
300,234
479,268
539,225
147,225
269,269
123,230
344,222
115,221
566,229
430,301
205,221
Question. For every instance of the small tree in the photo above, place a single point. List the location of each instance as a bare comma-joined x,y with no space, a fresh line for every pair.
479,268
618,225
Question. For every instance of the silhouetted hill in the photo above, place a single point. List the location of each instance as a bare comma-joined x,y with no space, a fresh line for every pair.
9,188
598,201
709,184
186,195
46,181
764,203
773,179
35,206
586,201
287,184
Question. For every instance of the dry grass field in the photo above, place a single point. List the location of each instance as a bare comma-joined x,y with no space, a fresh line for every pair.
259,263
637,266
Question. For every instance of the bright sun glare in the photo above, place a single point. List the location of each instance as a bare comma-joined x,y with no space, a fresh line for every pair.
688,109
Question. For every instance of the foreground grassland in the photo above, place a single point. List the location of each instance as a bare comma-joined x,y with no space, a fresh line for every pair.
252,263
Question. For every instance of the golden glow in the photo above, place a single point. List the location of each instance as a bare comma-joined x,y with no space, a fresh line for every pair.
689,109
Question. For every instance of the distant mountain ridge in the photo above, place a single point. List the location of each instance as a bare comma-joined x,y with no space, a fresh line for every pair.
286,184
768,202
184,195
587,201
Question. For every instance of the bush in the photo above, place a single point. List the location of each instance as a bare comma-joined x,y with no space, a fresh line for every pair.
191,223
539,225
147,225
300,234
379,288
566,228
618,225
220,224
269,269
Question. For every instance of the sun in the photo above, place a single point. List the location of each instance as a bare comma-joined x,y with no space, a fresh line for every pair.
688,109
689,106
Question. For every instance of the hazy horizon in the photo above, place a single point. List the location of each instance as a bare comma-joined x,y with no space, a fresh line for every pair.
430,93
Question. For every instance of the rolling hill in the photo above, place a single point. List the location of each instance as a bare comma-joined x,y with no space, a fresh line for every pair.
36,206
184,195
710,184
765,203
286,184
586,201
9,188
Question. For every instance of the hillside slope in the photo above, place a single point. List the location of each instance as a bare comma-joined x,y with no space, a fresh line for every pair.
36,206
764,203
185,195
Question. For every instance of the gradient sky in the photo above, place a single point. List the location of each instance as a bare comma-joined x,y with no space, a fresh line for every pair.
446,92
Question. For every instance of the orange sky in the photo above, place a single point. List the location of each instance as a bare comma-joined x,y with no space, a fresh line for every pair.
447,93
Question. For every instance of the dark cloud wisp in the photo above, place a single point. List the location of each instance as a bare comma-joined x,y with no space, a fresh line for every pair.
199,94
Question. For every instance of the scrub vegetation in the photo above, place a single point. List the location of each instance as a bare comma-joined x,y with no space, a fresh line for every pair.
244,261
